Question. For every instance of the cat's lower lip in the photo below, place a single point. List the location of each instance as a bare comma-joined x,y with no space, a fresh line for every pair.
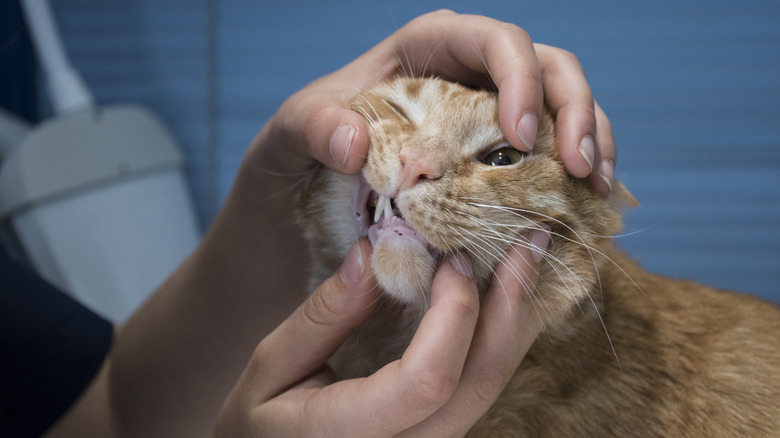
392,229
396,230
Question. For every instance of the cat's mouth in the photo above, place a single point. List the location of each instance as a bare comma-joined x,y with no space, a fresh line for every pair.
387,222
380,206
380,218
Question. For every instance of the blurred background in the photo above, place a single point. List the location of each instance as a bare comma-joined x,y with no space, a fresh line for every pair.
692,89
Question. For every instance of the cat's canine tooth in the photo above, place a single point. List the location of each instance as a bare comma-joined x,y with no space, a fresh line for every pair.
388,209
380,207
383,207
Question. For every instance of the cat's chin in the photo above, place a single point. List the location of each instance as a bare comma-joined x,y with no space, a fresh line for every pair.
403,261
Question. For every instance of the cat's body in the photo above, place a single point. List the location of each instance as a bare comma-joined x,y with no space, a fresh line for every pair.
687,361
623,352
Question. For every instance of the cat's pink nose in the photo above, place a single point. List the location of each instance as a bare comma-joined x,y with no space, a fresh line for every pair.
416,168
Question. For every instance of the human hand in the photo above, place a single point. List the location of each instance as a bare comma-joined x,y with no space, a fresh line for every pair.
316,122
460,359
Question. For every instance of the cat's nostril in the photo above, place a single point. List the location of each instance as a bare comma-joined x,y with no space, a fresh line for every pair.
415,169
411,175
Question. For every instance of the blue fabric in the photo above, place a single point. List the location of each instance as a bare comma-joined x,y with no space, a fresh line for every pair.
51,347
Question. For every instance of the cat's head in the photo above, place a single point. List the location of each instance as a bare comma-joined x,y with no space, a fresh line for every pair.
440,177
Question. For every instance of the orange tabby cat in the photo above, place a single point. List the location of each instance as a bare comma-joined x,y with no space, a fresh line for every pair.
623,353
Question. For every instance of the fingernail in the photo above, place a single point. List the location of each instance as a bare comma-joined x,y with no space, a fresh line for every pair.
607,172
462,264
353,266
588,150
341,143
539,240
526,129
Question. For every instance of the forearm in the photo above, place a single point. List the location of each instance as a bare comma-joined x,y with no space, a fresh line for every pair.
179,356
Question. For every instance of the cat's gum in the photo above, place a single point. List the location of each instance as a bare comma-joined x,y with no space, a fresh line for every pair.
398,230
360,207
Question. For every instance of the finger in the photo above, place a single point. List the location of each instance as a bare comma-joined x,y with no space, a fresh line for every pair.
569,97
330,132
472,47
518,78
606,154
505,331
305,340
436,354
344,132
323,377
408,390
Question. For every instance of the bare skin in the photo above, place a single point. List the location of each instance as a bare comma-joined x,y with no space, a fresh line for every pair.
174,363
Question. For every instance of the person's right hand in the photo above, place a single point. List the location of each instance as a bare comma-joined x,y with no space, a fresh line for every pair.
459,361
317,124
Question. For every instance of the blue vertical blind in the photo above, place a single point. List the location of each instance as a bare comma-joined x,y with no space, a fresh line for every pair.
691,89
155,54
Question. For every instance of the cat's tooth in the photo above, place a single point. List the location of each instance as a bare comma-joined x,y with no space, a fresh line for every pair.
380,207
383,208
388,209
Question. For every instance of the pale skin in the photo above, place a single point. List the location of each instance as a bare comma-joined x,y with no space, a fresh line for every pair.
215,340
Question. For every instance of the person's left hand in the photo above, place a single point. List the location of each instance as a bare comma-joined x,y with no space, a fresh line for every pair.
460,359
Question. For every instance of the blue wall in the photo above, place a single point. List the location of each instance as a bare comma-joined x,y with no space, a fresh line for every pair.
691,87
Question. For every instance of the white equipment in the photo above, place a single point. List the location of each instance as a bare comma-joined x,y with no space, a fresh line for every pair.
97,196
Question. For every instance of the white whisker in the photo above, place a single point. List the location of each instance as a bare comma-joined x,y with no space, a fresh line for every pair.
553,261
484,63
430,57
373,120
497,259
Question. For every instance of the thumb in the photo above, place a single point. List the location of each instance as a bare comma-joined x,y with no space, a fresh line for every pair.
347,140
317,123
305,340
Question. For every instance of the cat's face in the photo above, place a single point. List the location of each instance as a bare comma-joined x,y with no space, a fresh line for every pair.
440,177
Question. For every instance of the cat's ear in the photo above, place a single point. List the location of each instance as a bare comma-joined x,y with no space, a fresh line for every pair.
620,198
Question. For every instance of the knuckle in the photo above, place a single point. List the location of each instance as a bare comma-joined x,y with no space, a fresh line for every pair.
315,114
565,56
602,120
442,13
530,76
311,412
487,385
514,31
423,21
319,309
258,360
467,306
316,124
433,388
298,116
583,112
604,129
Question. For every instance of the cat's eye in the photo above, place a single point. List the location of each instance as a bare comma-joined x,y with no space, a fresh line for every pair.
504,156
398,109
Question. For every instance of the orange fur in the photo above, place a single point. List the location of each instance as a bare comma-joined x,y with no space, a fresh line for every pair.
624,352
